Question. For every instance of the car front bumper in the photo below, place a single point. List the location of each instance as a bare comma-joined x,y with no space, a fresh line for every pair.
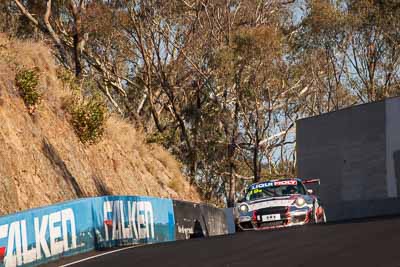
288,219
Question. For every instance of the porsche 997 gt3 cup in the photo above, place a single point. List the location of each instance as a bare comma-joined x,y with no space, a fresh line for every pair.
279,203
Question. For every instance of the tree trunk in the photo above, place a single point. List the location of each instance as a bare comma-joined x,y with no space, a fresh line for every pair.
78,40
255,164
232,186
231,153
255,157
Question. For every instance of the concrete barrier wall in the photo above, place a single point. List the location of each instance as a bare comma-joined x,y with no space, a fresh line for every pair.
230,219
44,234
127,220
348,210
346,150
194,220
215,220
40,235
355,152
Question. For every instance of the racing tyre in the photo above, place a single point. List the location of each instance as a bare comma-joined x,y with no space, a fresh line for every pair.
315,215
324,218
315,220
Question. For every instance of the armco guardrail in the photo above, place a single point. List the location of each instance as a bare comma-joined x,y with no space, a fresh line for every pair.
44,234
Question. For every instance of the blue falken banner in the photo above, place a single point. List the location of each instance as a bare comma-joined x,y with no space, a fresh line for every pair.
41,235
126,220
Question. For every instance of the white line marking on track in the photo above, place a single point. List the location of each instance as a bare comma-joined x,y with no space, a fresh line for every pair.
100,255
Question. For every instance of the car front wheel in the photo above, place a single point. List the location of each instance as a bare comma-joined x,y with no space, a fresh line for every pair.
317,210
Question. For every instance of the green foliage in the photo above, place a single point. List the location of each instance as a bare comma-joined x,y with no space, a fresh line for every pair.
68,79
88,119
27,81
156,137
167,138
88,116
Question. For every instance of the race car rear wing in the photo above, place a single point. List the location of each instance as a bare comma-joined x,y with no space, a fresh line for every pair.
311,181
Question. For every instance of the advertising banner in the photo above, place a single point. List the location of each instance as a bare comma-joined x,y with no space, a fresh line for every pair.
39,235
126,220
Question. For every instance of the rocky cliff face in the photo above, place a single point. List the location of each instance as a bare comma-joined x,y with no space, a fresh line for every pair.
43,162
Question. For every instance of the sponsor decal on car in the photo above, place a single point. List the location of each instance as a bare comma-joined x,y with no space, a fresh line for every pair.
288,182
270,184
261,185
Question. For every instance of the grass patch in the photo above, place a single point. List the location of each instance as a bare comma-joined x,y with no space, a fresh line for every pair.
176,184
88,117
27,81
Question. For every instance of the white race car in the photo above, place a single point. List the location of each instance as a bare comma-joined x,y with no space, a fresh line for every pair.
279,203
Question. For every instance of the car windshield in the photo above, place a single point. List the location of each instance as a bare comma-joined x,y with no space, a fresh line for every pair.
274,191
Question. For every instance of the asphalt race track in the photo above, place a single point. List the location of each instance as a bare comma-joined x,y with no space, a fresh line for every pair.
375,242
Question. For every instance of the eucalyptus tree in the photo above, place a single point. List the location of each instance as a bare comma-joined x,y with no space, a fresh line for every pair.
215,82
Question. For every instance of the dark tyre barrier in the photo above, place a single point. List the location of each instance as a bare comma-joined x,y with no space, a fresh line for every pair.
194,220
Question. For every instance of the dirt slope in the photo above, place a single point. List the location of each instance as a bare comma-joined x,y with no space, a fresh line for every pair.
42,160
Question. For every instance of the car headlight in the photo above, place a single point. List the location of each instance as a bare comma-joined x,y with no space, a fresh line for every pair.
300,202
244,208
